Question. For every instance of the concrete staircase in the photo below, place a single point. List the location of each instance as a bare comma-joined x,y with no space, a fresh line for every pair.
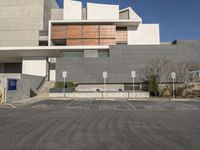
44,90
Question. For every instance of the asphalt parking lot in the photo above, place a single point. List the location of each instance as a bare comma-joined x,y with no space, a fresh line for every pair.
100,125
116,104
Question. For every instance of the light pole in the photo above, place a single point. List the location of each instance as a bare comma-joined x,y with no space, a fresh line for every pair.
173,76
105,76
64,75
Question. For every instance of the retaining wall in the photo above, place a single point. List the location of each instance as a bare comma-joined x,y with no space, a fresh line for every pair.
101,95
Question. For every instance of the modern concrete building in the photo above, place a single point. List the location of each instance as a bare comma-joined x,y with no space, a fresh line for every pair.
39,39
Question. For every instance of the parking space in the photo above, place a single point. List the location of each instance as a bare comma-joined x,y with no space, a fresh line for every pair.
116,104
91,124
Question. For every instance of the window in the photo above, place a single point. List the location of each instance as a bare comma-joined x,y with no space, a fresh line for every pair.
72,54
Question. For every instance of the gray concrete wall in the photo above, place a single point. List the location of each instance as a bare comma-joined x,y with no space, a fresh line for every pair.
22,92
48,5
123,59
2,68
35,81
84,14
5,76
27,85
124,15
56,14
21,21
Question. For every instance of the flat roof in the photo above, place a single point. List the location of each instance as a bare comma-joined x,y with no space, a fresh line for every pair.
114,22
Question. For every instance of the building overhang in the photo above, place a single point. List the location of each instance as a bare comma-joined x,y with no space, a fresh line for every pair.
112,22
41,51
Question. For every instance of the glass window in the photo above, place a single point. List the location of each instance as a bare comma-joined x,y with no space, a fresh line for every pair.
72,54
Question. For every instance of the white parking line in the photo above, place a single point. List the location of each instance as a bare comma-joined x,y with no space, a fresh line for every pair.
50,106
130,105
11,105
101,104
90,103
74,101
154,107
121,101
187,105
76,107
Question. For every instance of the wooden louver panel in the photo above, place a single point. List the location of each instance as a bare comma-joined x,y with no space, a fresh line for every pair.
58,32
121,36
74,42
107,31
77,35
74,31
91,31
90,41
107,42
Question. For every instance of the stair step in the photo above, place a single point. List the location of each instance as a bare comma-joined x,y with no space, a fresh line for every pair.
45,88
42,95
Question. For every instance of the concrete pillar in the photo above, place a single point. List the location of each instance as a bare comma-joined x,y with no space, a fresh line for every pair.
2,93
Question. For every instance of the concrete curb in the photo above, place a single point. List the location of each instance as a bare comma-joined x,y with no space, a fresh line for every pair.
28,101
183,100
138,99
33,100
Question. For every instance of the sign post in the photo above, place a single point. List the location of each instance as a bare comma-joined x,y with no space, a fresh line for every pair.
105,76
133,75
64,75
173,76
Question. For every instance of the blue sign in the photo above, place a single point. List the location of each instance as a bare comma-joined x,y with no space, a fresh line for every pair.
12,84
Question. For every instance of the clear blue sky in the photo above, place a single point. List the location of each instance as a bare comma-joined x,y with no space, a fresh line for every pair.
178,19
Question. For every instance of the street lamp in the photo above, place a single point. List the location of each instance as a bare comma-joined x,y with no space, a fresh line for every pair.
105,76
173,76
64,75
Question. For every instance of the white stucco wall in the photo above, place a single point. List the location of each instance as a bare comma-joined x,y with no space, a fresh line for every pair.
133,15
102,12
145,34
129,13
34,66
72,10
